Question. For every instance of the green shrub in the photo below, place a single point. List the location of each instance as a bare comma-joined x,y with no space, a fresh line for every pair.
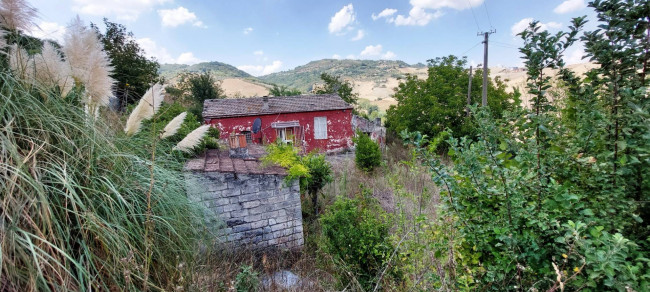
313,171
247,280
355,231
367,155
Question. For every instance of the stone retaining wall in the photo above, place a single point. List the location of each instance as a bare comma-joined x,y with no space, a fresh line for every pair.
256,210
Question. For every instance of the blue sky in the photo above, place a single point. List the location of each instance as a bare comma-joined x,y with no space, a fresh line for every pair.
265,36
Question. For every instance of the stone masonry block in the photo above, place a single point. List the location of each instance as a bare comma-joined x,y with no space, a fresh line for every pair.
239,213
231,192
253,218
250,204
241,227
259,224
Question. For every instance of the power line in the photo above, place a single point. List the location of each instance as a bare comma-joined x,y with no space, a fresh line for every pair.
488,14
475,20
474,46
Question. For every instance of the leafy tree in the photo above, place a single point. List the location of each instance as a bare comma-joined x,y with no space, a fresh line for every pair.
336,85
131,69
367,153
283,91
194,88
439,102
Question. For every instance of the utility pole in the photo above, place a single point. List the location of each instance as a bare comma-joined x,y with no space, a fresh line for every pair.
485,63
469,91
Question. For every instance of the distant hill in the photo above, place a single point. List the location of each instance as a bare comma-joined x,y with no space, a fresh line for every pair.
305,76
217,69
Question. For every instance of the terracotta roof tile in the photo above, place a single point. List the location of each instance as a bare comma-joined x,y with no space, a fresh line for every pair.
215,160
223,108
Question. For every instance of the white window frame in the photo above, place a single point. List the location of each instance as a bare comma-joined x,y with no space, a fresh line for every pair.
320,128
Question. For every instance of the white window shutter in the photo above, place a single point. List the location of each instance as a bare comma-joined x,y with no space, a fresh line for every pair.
320,127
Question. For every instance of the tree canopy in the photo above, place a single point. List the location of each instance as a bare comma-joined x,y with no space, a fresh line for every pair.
432,105
335,84
283,91
132,70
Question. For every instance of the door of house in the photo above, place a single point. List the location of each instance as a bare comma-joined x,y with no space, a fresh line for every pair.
286,135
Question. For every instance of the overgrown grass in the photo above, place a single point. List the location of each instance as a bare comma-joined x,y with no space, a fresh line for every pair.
74,201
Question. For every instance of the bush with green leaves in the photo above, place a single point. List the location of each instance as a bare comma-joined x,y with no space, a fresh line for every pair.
247,280
312,170
367,154
552,197
356,233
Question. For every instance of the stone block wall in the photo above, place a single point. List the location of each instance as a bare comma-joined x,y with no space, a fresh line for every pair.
255,210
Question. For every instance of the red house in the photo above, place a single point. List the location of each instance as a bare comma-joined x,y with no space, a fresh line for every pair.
310,122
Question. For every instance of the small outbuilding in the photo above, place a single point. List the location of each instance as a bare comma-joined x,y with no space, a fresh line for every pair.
244,202
310,122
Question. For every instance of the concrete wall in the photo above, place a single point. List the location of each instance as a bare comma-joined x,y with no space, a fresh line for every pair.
257,210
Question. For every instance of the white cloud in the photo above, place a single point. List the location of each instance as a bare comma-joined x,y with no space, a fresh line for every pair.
248,30
152,49
258,53
261,70
389,56
350,57
384,13
439,4
372,50
48,30
343,20
178,16
377,52
574,55
570,6
128,10
336,56
423,11
360,35
524,23
187,58
417,16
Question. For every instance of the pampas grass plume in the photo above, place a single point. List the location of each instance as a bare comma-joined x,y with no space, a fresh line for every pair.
89,63
146,108
192,139
173,126
51,70
20,63
17,15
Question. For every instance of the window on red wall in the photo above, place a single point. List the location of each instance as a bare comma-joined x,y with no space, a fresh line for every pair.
320,127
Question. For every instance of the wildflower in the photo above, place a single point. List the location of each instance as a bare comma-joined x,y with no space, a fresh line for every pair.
576,270
564,255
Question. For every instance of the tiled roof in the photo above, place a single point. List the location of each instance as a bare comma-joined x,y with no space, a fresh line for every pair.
215,160
241,107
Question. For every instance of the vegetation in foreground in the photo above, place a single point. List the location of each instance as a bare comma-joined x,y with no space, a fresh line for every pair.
552,197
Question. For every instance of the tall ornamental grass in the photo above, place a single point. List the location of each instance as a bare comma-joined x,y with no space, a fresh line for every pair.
73,201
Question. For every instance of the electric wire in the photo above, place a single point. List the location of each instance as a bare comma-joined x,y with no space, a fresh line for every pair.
488,14
474,46
475,20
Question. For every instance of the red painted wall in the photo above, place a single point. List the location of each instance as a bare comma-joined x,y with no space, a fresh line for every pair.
339,128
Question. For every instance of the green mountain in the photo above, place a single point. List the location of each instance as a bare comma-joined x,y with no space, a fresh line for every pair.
218,69
305,76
